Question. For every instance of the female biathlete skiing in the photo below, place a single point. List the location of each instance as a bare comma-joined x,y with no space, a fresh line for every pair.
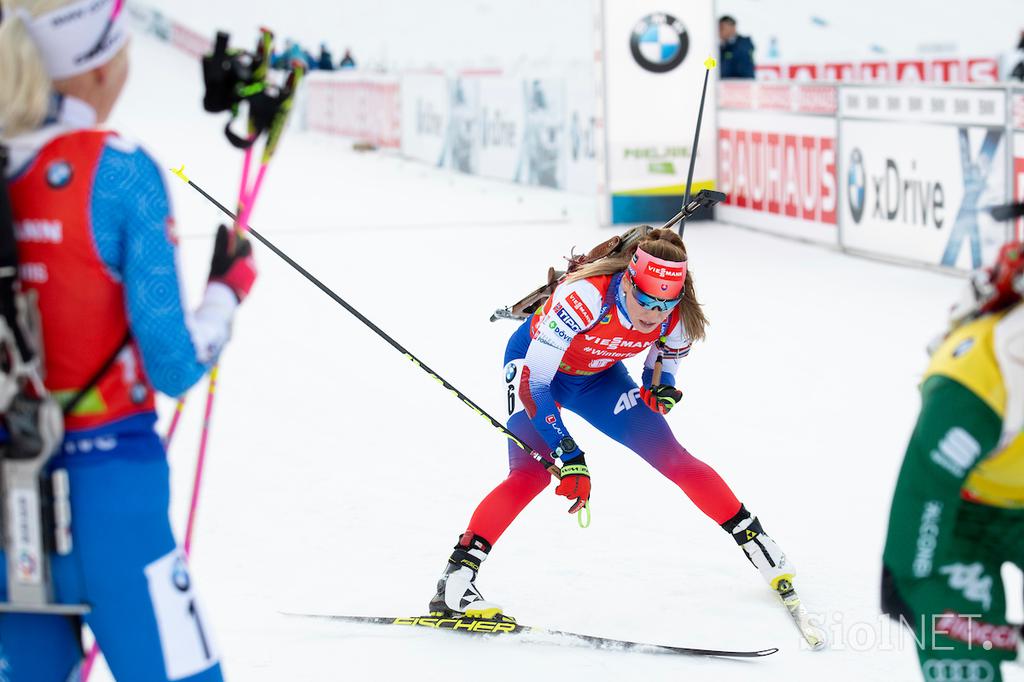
569,354
958,509
96,242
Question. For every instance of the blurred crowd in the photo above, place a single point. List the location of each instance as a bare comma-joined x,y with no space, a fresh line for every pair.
324,61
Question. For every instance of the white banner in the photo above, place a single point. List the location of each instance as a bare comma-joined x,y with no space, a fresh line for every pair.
583,136
654,70
779,173
914,190
424,116
500,127
962,106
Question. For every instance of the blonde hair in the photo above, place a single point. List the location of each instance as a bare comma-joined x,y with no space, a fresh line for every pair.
660,244
25,85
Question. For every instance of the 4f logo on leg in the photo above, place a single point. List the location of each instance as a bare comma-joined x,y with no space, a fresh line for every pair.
627,401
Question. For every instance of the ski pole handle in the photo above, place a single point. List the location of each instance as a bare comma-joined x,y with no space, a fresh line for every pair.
656,376
549,464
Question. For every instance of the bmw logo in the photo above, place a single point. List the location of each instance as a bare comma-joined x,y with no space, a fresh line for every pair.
856,185
510,372
179,575
659,42
58,174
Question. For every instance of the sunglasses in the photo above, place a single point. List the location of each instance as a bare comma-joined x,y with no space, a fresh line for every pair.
652,302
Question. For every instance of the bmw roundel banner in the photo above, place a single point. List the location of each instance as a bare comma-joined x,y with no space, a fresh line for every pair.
654,54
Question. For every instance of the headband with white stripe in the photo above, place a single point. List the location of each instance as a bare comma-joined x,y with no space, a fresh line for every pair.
78,37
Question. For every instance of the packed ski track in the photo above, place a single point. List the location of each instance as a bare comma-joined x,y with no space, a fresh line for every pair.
339,476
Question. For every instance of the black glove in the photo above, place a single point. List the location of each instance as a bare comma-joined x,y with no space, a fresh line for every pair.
232,262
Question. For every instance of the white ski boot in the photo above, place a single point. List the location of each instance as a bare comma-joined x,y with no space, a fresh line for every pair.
769,559
457,594
761,550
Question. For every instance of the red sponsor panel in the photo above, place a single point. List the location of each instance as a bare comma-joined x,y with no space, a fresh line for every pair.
839,71
741,159
817,99
982,70
769,72
773,172
725,163
947,70
809,177
802,72
875,71
364,110
780,174
736,94
829,191
774,97
790,191
1018,112
911,70
756,170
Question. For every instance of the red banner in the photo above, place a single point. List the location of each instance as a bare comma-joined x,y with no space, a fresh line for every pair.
780,174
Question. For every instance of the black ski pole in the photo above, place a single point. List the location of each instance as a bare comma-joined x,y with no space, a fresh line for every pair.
709,64
549,464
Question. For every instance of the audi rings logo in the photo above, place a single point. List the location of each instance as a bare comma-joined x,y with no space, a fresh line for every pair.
958,670
856,185
659,42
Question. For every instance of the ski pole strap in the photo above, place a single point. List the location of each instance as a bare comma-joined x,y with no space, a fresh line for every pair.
70,406
579,515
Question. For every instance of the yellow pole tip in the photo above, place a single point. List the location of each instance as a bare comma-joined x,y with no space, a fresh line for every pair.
710,63
180,172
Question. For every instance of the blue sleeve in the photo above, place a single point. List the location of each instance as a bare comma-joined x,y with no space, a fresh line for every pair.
132,226
667,378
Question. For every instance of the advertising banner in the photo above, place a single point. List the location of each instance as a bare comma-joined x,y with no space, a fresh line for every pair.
779,173
654,70
362,107
425,100
963,106
910,70
917,191
777,159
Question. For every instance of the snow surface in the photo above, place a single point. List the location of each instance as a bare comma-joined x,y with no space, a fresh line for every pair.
339,475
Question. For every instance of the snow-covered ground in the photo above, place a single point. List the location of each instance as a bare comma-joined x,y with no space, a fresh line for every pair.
339,475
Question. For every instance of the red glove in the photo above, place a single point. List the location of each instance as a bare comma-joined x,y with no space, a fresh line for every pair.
661,398
575,484
233,263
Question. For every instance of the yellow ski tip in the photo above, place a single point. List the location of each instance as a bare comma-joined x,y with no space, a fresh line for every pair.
710,63
180,172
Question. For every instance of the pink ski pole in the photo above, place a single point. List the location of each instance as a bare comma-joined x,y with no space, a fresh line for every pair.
201,460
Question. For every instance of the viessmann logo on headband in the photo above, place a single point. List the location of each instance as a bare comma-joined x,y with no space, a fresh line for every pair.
662,272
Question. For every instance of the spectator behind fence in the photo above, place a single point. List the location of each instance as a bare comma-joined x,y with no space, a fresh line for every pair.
326,59
347,62
736,51
292,52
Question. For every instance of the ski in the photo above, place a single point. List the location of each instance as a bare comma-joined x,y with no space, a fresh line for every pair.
488,627
813,635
